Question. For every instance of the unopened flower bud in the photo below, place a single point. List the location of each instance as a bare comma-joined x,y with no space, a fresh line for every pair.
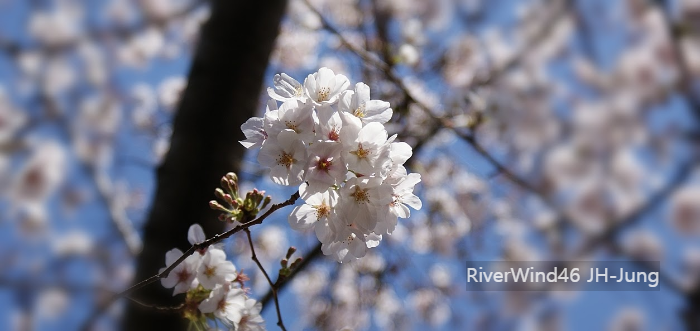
219,193
291,251
232,177
295,263
217,206
225,183
229,199
266,202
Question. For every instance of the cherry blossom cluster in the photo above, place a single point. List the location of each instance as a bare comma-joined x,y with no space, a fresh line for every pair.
214,288
331,141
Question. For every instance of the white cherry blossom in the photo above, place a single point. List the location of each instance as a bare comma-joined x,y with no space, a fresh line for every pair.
214,269
362,199
324,87
286,158
254,132
318,207
292,115
330,124
225,303
349,247
366,154
183,275
251,319
402,197
358,103
333,142
399,153
326,167
286,88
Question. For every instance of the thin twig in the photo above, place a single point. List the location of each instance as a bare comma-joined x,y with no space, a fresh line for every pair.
500,167
105,188
173,309
282,282
273,286
213,240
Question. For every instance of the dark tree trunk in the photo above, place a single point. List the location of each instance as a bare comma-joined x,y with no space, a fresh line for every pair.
222,93
691,313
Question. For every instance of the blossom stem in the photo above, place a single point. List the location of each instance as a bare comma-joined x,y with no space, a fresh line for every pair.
273,286
305,261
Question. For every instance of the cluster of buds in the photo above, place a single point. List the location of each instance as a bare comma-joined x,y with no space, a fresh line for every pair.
287,268
239,209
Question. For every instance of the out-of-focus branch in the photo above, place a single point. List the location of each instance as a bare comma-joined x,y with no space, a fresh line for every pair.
173,309
692,312
117,213
686,81
199,246
373,60
500,167
652,202
561,8
585,33
104,186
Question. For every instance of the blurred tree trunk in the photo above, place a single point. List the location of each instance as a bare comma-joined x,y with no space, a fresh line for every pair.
222,93
691,313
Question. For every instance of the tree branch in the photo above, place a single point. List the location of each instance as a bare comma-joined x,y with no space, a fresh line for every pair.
174,309
686,81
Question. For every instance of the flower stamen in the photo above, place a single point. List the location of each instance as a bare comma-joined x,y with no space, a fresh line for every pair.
360,195
322,210
360,152
286,160
323,94
325,164
360,111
